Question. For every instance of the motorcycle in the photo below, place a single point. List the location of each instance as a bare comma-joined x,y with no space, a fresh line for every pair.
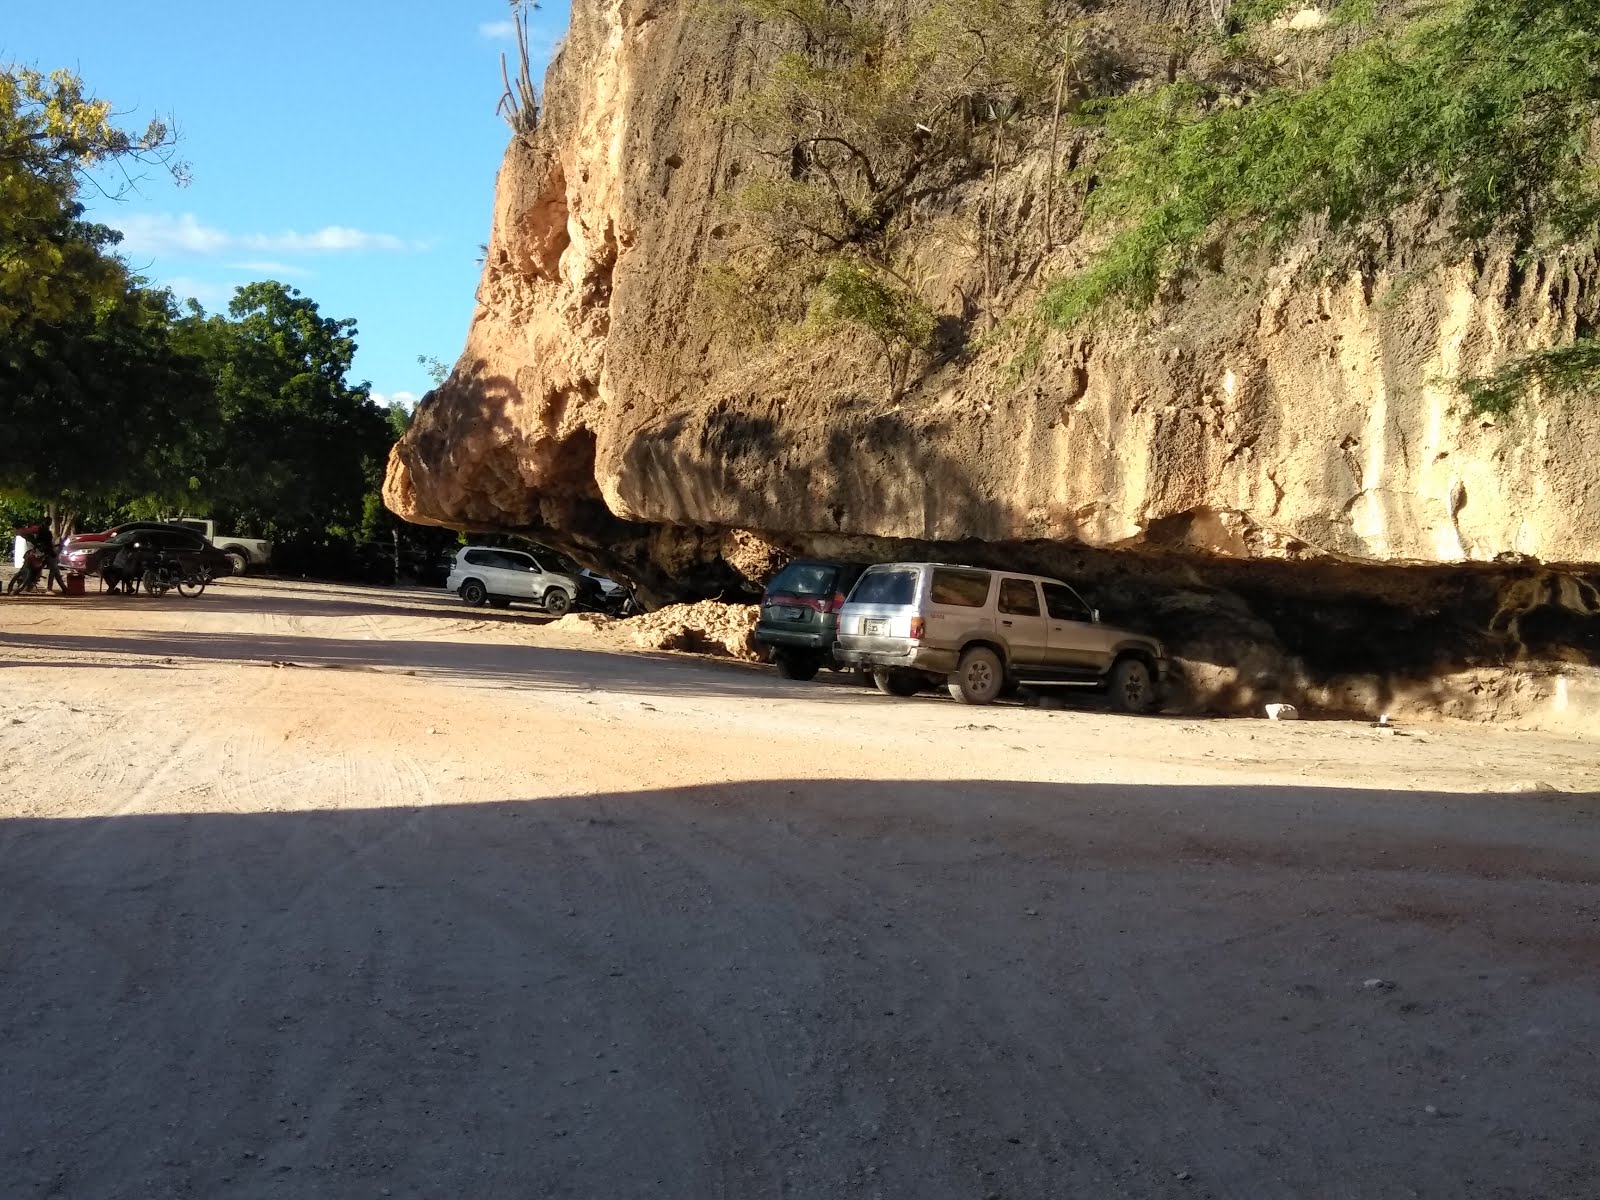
28,577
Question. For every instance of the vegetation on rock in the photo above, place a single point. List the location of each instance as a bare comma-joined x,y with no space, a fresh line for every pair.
1478,118
861,124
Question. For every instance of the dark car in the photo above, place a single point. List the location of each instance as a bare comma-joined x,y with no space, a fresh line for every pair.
800,615
75,550
128,554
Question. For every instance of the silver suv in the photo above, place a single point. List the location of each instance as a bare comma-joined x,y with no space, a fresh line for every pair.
486,575
982,631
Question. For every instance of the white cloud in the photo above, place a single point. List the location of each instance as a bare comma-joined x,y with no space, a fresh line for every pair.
498,29
269,268
149,234
332,239
155,233
405,400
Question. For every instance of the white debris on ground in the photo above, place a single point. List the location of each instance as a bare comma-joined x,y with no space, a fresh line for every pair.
709,627
582,622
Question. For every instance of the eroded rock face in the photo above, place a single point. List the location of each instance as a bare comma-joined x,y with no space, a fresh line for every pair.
1291,439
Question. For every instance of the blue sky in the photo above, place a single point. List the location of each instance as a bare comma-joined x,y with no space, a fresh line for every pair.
348,149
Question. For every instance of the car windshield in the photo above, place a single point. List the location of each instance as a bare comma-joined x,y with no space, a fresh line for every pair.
885,587
804,579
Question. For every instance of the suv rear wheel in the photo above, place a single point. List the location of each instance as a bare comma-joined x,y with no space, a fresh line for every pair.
240,563
474,593
897,683
1133,687
979,677
798,664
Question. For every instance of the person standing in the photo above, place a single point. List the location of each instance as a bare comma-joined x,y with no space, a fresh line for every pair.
44,541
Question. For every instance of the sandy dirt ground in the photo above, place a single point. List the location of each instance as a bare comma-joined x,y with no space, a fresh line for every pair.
449,904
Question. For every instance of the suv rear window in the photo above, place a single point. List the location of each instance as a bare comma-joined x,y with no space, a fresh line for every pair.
804,579
885,587
963,589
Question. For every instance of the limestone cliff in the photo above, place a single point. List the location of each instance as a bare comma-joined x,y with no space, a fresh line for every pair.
1287,448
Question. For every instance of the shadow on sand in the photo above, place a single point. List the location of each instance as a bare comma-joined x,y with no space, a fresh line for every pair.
809,989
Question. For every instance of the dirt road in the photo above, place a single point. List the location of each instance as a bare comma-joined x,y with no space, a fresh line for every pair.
461,907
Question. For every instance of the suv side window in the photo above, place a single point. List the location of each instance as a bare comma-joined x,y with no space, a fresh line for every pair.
1019,597
481,558
1065,604
963,589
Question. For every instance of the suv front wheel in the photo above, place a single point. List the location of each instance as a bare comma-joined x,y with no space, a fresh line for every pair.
1133,687
979,677
557,602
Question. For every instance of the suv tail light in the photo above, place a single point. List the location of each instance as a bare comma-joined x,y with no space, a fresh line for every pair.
919,628
838,602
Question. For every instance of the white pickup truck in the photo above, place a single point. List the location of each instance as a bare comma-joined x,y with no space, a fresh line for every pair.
247,554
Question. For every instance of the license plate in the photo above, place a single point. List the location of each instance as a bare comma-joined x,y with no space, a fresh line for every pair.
875,628
784,613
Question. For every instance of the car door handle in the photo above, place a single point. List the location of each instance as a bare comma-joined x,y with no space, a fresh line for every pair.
1005,622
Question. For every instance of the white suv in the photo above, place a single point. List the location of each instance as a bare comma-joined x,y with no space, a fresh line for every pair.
485,575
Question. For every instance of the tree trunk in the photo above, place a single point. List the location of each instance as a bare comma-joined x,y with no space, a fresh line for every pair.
988,233
1050,170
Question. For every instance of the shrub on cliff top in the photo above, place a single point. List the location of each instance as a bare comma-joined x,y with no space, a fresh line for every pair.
1482,112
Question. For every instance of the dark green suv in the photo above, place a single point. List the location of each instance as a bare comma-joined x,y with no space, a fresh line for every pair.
800,615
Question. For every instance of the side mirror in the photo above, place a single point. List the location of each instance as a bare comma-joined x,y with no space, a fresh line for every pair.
1094,615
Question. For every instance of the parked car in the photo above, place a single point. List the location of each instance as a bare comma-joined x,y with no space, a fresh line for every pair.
128,553
600,594
76,551
980,631
85,540
800,615
245,553
486,575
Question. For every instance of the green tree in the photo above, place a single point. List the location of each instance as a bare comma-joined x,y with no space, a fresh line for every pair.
1478,116
297,445
98,397
104,405
53,135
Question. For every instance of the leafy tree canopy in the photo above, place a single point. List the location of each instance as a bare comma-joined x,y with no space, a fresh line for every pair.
297,442
97,394
104,404
52,135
